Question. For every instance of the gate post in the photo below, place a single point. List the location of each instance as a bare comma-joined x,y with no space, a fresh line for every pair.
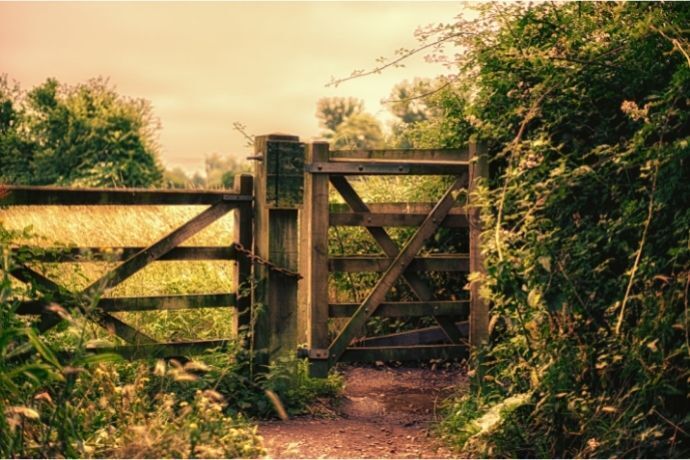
243,232
278,194
479,309
315,222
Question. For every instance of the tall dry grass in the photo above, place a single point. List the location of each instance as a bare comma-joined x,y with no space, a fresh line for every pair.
114,226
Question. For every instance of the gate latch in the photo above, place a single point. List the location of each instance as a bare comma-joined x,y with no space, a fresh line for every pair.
313,353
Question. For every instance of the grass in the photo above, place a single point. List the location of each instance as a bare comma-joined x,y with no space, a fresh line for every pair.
112,226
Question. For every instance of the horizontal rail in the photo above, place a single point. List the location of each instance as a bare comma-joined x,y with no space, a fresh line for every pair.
426,335
397,208
114,254
42,196
411,353
458,308
163,350
368,219
382,168
404,154
435,263
146,303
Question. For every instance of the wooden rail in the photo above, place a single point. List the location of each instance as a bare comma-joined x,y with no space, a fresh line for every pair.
133,259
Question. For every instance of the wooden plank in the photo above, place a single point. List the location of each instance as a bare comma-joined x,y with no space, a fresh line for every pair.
436,262
164,302
479,316
243,234
422,336
368,219
404,353
418,208
276,240
404,154
168,302
377,295
418,286
459,308
381,168
42,196
315,247
159,248
120,253
164,350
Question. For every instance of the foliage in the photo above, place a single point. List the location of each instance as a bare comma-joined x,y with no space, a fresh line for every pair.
360,131
586,107
333,111
85,135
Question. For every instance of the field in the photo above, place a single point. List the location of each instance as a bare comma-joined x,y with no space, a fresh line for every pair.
113,226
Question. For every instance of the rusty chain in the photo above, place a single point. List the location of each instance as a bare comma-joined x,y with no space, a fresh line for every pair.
266,263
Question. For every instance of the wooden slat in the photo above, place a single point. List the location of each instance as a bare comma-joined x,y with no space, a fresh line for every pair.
422,336
367,219
418,208
164,302
459,308
167,302
437,262
243,234
159,248
411,353
115,254
31,196
383,168
163,350
420,288
404,154
315,247
401,262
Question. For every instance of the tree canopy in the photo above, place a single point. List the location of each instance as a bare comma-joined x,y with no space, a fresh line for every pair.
85,135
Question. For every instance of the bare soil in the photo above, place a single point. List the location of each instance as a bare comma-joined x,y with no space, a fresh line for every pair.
383,413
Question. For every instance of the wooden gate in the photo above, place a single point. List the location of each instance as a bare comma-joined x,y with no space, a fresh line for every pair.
325,169
134,259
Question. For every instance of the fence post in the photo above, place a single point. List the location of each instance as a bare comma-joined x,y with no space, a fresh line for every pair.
315,252
278,192
243,233
479,309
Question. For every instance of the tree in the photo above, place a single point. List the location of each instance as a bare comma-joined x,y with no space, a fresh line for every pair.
86,135
360,131
333,111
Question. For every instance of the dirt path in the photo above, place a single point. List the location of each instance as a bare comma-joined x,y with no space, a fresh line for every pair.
384,413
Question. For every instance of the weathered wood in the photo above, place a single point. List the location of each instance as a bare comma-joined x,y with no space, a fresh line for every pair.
404,154
418,286
422,336
243,234
381,168
41,196
419,208
117,254
315,248
404,353
396,269
276,240
159,248
368,219
435,263
146,303
163,350
167,302
479,310
458,308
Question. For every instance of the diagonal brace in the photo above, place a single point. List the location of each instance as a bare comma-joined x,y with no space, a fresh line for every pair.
390,248
395,270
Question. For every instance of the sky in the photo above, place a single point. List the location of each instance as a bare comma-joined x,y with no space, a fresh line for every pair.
205,66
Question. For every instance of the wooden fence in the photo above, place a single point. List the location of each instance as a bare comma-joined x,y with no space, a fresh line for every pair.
133,259
282,220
